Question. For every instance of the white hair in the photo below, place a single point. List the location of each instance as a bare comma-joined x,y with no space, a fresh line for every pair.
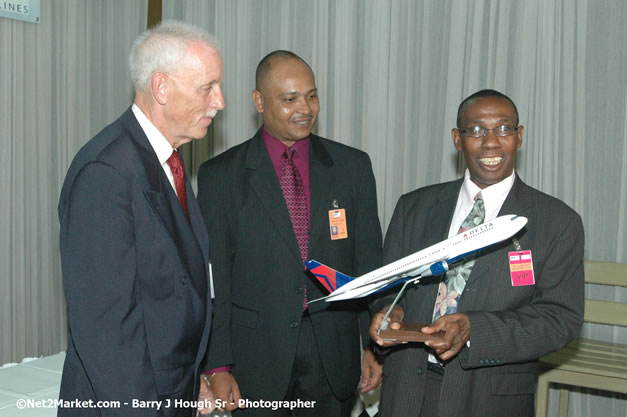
162,48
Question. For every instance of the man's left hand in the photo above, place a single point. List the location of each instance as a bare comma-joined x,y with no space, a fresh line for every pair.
456,328
372,371
205,398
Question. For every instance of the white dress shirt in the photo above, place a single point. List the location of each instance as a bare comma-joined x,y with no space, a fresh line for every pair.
493,198
159,143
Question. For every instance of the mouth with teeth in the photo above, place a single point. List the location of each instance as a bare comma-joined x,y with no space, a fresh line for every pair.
303,123
491,161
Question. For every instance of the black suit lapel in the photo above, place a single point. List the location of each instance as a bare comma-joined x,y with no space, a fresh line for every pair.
164,202
263,179
442,212
196,220
322,186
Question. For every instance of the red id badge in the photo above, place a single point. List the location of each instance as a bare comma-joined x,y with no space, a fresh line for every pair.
521,268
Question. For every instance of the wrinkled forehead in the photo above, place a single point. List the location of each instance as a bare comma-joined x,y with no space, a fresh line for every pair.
201,60
202,53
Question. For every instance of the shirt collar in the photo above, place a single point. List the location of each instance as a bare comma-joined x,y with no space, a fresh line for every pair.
159,143
493,196
276,148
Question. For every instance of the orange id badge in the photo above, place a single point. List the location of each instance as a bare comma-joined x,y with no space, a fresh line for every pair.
521,268
337,224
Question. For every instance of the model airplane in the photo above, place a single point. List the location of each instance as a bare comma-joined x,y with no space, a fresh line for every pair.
434,260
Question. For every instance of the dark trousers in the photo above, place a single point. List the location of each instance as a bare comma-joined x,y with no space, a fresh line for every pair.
307,383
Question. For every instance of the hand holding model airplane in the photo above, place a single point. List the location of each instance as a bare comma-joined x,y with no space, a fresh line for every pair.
434,260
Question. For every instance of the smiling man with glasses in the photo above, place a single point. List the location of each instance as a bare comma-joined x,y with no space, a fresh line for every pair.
500,310
488,135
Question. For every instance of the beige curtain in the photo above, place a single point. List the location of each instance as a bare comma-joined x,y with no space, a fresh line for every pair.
392,73
61,81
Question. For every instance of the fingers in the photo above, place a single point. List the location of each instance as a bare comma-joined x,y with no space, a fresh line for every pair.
225,389
373,379
375,325
394,320
206,399
372,372
365,381
368,385
396,315
235,396
456,328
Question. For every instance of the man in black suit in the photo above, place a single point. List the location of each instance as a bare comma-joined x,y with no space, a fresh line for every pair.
496,321
134,247
267,204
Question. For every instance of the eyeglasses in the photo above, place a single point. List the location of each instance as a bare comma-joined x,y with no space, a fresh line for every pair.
479,132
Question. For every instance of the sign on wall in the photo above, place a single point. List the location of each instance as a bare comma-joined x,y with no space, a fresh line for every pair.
26,10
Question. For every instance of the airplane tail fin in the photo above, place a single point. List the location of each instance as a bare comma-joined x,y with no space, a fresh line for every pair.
328,277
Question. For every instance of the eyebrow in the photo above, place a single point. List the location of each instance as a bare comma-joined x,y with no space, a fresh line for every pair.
481,121
291,93
208,84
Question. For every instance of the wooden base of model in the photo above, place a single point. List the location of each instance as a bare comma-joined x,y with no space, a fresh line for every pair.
410,332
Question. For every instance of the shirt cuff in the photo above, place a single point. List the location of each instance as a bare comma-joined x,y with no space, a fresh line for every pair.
219,370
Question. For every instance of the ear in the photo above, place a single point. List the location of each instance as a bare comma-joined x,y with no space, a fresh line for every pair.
457,139
258,100
159,87
519,136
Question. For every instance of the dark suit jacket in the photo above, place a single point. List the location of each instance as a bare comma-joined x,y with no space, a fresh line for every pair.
135,277
510,327
258,271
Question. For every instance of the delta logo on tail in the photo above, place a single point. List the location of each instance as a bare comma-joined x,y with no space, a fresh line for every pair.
328,277
434,260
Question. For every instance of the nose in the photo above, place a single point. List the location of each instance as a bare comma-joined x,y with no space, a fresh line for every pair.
217,101
490,140
303,106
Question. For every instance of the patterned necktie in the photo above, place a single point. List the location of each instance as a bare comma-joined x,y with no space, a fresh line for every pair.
176,165
451,288
294,194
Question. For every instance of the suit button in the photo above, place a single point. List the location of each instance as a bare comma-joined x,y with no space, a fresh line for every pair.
420,370
481,361
298,290
183,280
294,324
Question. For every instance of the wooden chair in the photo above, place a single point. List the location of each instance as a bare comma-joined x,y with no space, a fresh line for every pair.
585,362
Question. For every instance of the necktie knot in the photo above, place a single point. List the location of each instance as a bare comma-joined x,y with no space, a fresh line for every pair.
476,215
289,154
175,163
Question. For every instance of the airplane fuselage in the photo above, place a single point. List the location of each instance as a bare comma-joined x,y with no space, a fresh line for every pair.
432,260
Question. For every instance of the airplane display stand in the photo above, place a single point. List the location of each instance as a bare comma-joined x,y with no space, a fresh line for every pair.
408,332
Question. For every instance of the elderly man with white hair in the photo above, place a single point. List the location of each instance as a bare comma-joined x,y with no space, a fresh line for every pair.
133,243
